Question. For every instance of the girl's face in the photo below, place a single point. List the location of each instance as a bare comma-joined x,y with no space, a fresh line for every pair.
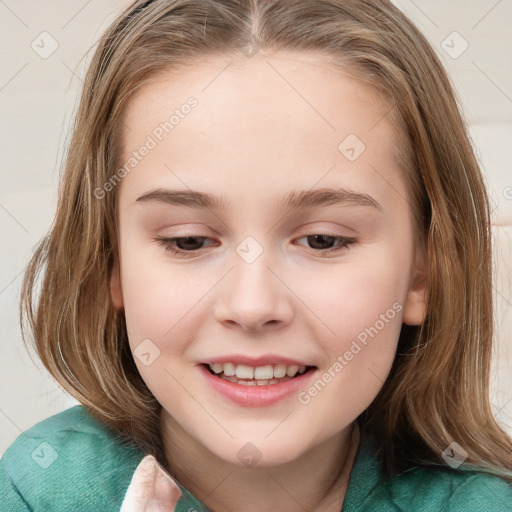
264,137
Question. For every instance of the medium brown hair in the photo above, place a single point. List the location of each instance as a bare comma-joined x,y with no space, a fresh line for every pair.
438,388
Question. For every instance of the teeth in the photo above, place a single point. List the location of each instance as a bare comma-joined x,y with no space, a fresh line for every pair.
279,371
229,369
292,370
265,374
244,372
216,367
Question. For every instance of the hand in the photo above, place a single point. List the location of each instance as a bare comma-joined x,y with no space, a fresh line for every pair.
151,489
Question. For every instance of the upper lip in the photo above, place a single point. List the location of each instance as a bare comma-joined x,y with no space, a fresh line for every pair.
264,360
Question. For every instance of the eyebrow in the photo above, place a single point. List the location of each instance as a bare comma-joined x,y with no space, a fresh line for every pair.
294,200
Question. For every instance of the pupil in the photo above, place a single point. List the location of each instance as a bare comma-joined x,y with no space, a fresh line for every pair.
316,238
189,241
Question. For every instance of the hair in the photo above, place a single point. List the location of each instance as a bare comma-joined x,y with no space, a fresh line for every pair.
437,391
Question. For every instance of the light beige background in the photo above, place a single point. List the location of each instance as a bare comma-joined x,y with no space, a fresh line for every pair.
38,97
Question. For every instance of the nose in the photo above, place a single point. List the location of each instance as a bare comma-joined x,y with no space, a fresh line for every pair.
254,297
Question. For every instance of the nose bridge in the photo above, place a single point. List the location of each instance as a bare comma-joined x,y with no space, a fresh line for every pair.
253,295
253,282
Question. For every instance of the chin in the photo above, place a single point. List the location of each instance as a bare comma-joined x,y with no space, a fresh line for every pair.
261,452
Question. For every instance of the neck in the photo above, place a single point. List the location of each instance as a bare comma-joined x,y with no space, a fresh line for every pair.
317,480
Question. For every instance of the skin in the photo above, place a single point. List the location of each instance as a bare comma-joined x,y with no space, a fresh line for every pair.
263,127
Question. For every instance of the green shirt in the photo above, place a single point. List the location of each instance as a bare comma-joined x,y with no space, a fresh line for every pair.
71,462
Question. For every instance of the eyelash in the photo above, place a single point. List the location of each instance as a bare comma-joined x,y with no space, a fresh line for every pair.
168,244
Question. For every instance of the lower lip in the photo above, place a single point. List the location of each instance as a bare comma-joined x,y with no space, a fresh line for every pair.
256,396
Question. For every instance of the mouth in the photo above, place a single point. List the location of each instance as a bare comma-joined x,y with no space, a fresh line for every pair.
267,375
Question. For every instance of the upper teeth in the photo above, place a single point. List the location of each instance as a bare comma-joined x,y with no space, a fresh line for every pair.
260,372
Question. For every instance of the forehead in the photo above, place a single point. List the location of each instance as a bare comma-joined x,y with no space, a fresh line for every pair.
269,121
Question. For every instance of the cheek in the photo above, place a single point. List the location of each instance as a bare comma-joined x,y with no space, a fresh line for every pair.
351,296
363,313
359,304
157,293
164,306
162,317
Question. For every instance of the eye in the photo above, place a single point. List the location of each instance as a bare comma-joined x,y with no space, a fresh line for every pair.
321,241
187,246
182,246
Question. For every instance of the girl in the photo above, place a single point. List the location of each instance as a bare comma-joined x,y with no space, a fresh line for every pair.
269,278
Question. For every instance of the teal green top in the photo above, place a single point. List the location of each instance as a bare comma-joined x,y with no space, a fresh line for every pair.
71,462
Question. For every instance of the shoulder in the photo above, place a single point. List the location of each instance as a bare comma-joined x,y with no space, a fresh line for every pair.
441,489
449,490
423,488
69,461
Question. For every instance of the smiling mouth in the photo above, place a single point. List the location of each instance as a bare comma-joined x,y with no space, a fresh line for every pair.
258,382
